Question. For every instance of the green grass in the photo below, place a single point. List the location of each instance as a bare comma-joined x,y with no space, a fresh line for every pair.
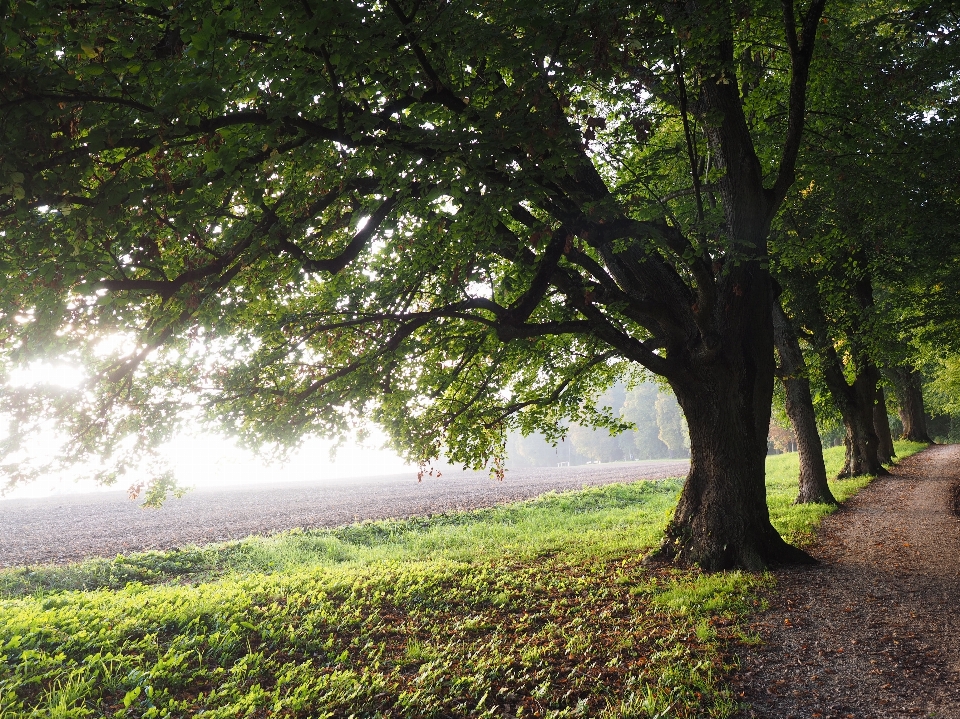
538,609
798,523
612,521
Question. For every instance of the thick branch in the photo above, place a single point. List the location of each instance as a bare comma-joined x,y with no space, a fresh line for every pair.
82,97
688,135
167,288
334,265
801,52
447,97
411,323
524,306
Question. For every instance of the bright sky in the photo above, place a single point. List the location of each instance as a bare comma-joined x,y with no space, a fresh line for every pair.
210,461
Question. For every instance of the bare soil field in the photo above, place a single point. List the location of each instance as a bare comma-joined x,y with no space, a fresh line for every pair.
73,527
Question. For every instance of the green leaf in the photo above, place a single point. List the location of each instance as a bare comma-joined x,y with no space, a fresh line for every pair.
131,696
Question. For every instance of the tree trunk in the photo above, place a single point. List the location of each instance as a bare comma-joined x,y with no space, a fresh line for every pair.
813,473
856,408
881,425
722,520
907,384
855,402
861,441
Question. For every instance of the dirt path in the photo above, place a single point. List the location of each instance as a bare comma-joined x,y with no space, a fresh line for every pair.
873,631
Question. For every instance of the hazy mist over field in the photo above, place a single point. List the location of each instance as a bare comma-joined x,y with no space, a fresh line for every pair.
210,461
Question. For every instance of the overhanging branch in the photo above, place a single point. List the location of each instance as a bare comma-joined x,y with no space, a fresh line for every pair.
334,265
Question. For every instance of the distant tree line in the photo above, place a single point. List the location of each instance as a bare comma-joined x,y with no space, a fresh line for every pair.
660,432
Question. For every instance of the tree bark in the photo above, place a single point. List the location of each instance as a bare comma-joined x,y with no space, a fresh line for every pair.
856,408
881,425
907,386
722,520
813,487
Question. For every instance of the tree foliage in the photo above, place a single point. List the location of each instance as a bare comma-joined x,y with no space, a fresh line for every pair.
295,216
875,208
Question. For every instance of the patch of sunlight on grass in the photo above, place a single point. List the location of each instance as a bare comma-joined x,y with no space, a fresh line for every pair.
706,594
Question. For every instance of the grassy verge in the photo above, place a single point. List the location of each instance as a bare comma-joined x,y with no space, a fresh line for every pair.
537,609
798,523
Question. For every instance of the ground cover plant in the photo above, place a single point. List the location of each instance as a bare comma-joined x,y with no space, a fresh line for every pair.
539,609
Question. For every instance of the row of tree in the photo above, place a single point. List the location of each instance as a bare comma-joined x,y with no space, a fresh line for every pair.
283,218
859,244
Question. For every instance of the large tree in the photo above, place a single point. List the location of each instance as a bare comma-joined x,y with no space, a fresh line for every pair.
798,403
451,218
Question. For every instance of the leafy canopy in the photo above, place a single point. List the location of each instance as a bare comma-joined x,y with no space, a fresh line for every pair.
450,218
